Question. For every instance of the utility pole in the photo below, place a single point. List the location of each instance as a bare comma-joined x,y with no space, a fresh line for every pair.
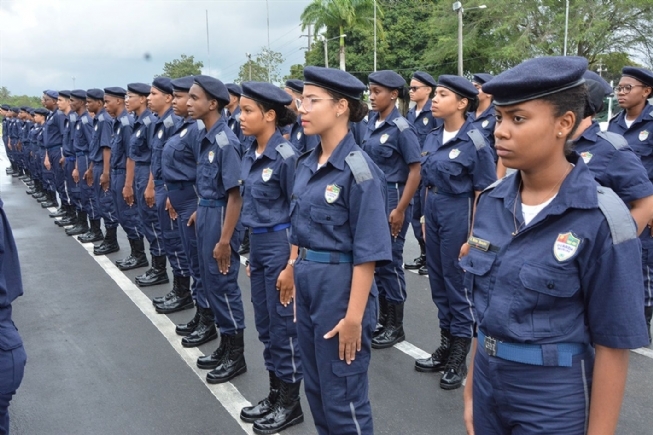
307,36
564,53
249,62
73,82
208,50
374,35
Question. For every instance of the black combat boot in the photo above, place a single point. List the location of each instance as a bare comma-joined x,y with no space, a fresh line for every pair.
69,219
233,360
185,329
110,243
648,313
204,332
34,188
157,274
94,234
136,258
423,270
82,225
455,370
438,359
52,200
393,332
180,300
161,299
208,362
255,412
61,211
383,315
287,411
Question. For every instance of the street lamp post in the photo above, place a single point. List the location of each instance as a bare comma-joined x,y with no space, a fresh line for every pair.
269,55
564,50
326,51
249,56
374,35
458,8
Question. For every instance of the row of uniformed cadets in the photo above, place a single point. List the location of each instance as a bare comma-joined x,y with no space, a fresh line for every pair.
457,163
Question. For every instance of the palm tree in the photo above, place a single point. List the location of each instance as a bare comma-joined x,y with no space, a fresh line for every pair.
340,15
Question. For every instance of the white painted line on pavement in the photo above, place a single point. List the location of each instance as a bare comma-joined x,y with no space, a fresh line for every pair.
227,394
644,351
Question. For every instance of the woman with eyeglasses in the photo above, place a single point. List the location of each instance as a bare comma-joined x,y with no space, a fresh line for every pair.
339,223
392,143
635,123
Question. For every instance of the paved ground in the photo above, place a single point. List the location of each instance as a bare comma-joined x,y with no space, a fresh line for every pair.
101,361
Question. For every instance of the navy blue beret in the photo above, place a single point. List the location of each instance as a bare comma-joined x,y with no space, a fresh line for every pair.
295,85
641,74
65,94
482,78
266,93
591,75
139,89
41,111
115,91
234,89
388,79
95,94
80,94
182,84
536,78
52,94
425,78
163,84
334,80
24,108
595,96
31,111
213,87
5,107
459,85
15,109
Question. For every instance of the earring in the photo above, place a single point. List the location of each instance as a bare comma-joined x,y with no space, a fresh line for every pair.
337,115
559,133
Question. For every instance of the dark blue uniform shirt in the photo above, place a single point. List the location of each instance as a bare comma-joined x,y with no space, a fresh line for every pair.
178,159
393,145
639,135
267,183
55,124
102,131
564,278
164,127
300,141
424,122
485,123
122,131
140,142
83,134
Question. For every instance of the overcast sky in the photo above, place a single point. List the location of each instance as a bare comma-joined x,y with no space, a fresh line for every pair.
45,43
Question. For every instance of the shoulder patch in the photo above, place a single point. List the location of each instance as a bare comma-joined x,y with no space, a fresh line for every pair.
493,185
168,122
221,139
124,121
73,117
85,120
622,226
401,123
200,124
616,140
285,150
147,121
359,167
477,137
100,117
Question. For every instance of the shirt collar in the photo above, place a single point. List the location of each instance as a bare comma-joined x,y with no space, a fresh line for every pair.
590,134
337,158
219,125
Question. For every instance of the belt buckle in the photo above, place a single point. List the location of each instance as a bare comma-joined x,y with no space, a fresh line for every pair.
490,345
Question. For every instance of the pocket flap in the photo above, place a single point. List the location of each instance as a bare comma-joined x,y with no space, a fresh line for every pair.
357,366
477,262
328,215
549,280
264,191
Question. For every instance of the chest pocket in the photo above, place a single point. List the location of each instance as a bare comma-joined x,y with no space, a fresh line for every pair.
327,230
477,265
451,177
382,151
177,144
265,198
549,303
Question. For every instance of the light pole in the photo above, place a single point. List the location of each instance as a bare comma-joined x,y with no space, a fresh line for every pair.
268,53
374,35
73,82
249,56
326,52
458,8
564,50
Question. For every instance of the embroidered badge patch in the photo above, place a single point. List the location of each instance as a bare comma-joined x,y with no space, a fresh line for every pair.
332,193
160,134
587,156
138,133
266,174
211,156
485,123
454,153
183,132
299,135
565,246
425,121
643,135
95,128
384,138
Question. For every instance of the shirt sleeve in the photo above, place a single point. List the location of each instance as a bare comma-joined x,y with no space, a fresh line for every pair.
230,166
409,146
484,172
628,178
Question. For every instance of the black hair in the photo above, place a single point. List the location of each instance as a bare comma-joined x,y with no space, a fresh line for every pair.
357,109
472,104
570,100
590,111
284,115
221,105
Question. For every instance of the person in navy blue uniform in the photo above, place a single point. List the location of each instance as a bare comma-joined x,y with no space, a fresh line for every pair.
5,111
67,209
421,90
298,139
216,219
12,352
268,174
53,140
39,119
483,117
552,266
392,143
635,124
457,165
113,176
100,140
340,225
179,173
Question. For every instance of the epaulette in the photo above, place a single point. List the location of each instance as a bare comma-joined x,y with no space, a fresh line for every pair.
477,138
124,121
616,140
168,122
359,167
401,123
622,226
200,124
73,117
285,150
493,185
85,119
100,117
147,121
221,139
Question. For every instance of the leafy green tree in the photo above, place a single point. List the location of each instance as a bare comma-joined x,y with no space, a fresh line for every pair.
264,67
338,16
296,72
182,67
18,100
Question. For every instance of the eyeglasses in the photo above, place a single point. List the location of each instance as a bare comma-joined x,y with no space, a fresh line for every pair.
307,102
626,88
415,88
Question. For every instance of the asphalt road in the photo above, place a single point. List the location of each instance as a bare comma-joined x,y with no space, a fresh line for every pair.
101,361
